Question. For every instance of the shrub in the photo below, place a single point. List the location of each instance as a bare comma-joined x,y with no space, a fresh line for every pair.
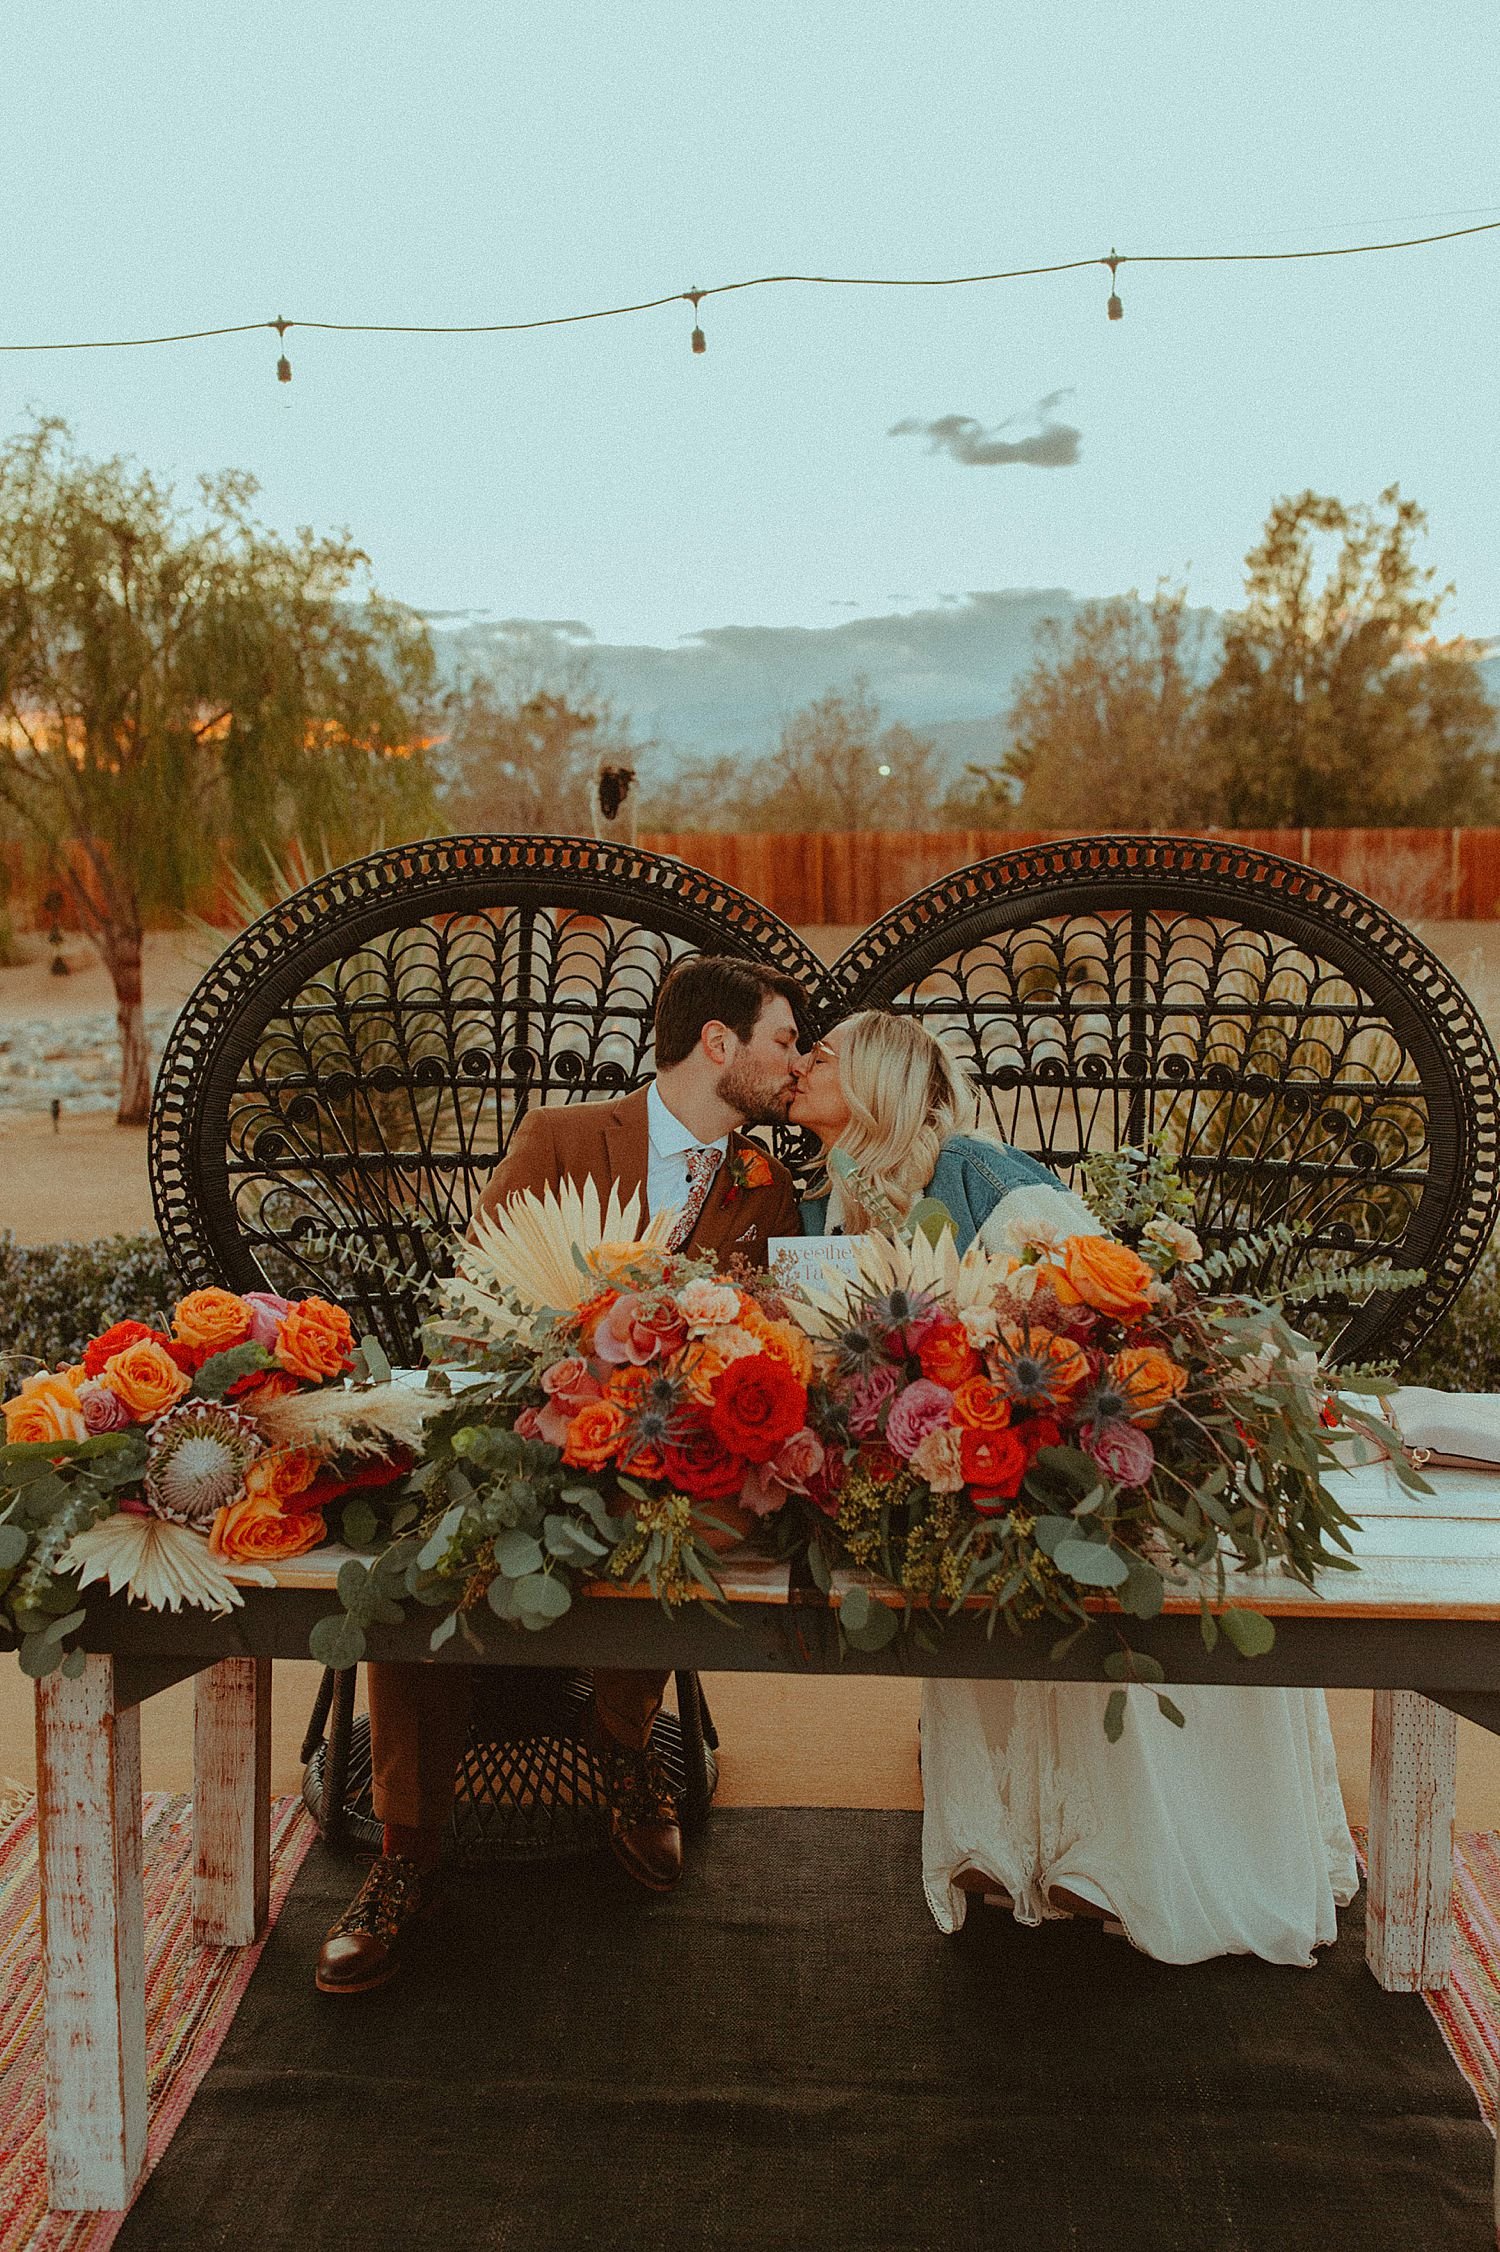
55,1296
1463,1353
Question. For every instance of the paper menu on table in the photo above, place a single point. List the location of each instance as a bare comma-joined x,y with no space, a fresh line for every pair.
812,1262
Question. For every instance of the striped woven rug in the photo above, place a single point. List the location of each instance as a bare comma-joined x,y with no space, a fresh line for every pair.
192,1994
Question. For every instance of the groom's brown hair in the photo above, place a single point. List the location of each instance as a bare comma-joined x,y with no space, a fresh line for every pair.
717,989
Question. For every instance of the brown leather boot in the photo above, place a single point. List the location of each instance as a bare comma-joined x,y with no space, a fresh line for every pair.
363,1949
645,1827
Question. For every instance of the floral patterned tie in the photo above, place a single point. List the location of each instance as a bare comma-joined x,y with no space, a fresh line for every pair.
702,1164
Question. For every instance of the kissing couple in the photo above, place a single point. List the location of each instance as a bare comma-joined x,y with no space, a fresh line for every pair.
1020,1806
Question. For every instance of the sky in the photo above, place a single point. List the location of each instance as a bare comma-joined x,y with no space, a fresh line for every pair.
182,166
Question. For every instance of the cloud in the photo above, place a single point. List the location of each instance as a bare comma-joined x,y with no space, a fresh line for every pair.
1053,445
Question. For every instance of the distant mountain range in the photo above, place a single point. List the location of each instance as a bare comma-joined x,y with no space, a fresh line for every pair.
949,670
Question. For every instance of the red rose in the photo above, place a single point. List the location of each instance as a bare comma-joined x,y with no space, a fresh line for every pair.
189,1358
757,1403
699,1466
946,1355
332,1485
1038,1431
115,1341
993,1463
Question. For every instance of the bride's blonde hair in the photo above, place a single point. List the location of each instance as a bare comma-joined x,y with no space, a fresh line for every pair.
906,1095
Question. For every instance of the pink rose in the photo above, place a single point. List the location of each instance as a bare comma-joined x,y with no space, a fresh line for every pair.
528,1424
569,1386
625,1335
868,1396
1123,1452
267,1313
922,1407
796,1463
103,1410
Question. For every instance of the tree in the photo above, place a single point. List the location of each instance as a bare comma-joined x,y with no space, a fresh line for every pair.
835,766
1106,727
1335,704
525,746
177,682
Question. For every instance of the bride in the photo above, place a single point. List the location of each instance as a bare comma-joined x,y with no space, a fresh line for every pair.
1225,1837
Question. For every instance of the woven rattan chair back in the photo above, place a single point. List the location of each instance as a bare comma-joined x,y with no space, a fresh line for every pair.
1304,1054
346,1077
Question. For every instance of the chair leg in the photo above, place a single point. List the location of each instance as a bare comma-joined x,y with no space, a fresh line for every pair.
694,1751
317,1719
336,1758
710,1733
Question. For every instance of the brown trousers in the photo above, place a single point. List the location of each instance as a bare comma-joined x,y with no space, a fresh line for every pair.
419,1724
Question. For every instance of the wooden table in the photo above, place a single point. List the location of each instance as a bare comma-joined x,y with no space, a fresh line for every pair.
1419,1624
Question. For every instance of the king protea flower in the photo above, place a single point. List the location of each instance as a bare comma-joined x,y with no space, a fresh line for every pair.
196,1459
916,1267
526,1250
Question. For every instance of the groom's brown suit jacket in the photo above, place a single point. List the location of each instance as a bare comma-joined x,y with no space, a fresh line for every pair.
609,1143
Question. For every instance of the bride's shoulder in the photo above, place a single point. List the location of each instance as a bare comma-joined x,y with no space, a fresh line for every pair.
997,1163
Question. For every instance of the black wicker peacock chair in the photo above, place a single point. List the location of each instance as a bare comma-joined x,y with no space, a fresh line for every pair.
332,1100
1307,1057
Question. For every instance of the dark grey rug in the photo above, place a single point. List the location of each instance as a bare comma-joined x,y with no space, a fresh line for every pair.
787,2054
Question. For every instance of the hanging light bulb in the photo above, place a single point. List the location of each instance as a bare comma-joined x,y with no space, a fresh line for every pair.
283,365
700,341
1114,308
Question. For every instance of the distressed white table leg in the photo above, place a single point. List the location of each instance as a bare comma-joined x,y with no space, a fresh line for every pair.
1413,1750
232,1802
93,1939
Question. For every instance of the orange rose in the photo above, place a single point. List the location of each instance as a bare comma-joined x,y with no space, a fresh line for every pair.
588,1316
276,1478
212,1320
594,1435
702,1365
47,1407
625,1385
1107,1276
1149,1378
248,1532
946,1355
146,1380
980,1405
316,1341
781,1339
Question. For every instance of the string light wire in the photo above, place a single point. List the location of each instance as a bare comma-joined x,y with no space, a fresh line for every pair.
763,281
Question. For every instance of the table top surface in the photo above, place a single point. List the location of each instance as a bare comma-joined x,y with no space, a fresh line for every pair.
1419,1556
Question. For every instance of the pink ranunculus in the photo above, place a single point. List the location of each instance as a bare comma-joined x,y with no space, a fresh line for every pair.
922,1407
267,1313
1122,1450
102,1409
868,1395
625,1337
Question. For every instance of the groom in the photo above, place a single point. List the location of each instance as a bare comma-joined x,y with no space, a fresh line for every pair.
726,1042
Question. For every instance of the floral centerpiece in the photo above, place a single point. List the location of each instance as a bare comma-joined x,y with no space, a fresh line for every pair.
1055,1423
173,1462
625,1411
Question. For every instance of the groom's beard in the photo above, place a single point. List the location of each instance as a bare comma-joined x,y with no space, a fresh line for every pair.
758,1104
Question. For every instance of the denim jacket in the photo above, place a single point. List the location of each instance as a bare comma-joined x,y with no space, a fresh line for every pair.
969,1178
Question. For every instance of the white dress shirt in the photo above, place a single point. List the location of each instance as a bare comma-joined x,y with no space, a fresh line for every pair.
666,1157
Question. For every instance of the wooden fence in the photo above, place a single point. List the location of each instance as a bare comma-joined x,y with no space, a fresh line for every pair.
849,877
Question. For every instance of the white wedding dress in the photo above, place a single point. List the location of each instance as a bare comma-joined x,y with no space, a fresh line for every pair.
1225,1837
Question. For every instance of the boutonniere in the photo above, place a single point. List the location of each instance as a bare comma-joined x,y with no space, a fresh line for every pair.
749,1168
